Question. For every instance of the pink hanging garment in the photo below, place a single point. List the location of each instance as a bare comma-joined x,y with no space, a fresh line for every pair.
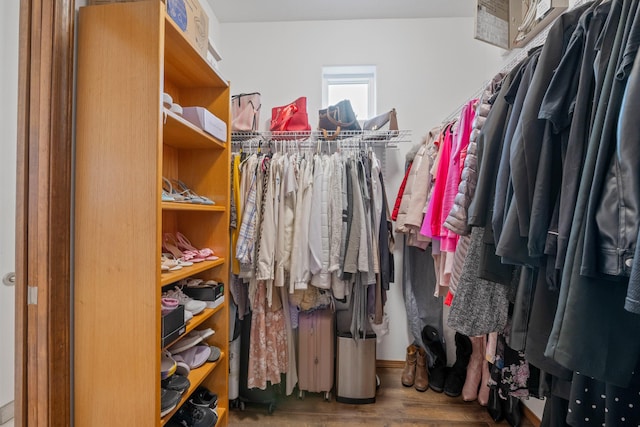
449,240
431,224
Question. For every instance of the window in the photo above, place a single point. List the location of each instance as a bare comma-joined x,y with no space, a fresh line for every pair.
355,83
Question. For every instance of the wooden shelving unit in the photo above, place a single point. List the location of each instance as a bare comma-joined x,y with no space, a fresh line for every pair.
126,141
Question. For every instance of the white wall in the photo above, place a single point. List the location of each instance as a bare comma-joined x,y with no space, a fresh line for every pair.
425,69
9,18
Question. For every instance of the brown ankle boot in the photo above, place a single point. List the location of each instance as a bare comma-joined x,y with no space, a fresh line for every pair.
474,370
422,377
409,371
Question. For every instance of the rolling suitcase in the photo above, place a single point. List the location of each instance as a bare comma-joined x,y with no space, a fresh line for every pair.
316,355
267,397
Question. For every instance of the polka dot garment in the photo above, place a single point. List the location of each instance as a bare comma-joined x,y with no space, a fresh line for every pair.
594,403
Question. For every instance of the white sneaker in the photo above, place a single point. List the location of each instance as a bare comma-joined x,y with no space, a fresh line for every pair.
190,304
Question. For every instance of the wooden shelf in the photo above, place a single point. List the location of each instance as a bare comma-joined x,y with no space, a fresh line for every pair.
183,273
197,321
183,64
192,207
196,376
181,133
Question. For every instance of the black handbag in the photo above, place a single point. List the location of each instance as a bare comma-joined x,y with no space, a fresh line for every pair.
339,117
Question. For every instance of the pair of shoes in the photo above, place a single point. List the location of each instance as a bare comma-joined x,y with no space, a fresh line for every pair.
182,249
414,372
204,398
438,370
190,304
177,383
509,408
195,416
174,190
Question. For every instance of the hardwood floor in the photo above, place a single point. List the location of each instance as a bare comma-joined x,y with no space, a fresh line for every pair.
395,406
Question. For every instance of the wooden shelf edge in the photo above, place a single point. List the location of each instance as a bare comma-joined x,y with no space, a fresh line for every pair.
174,276
193,207
196,377
200,139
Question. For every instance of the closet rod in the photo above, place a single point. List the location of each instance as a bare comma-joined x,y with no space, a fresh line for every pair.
518,55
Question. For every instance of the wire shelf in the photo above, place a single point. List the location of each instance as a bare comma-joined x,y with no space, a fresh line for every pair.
376,138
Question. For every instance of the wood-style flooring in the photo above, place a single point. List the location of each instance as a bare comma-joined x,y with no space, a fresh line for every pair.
395,406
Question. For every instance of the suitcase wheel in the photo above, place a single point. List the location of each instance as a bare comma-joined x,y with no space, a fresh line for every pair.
301,395
327,396
242,406
271,408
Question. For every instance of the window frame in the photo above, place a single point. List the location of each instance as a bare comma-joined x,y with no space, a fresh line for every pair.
351,74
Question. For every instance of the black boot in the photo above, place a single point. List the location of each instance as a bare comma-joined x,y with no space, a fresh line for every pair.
458,372
437,372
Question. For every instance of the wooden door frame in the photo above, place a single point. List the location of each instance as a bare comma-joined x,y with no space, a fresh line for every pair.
43,213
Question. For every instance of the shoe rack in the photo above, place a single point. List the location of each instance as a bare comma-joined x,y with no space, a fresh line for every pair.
126,141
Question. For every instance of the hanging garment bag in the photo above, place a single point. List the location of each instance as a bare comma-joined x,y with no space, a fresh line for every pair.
316,354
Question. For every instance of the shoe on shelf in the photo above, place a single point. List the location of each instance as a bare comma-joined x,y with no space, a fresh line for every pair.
168,400
195,356
215,354
182,367
185,343
169,194
196,416
181,262
190,304
170,244
177,383
204,398
190,194
168,305
185,245
167,365
187,316
169,264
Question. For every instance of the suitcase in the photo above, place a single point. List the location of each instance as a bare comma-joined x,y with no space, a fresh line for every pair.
268,396
316,355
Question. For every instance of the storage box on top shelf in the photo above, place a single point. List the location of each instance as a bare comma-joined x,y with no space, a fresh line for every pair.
205,120
499,22
193,21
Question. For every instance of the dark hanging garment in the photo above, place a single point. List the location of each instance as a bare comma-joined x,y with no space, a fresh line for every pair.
592,331
504,187
489,148
526,150
611,227
568,106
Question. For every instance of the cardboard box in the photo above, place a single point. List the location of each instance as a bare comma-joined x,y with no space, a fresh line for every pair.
192,20
498,21
205,120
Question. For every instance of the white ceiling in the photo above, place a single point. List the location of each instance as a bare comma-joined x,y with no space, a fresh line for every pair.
307,10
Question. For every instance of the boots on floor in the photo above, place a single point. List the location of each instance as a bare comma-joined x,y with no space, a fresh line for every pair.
438,371
483,394
409,371
458,372
474,370
422,377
